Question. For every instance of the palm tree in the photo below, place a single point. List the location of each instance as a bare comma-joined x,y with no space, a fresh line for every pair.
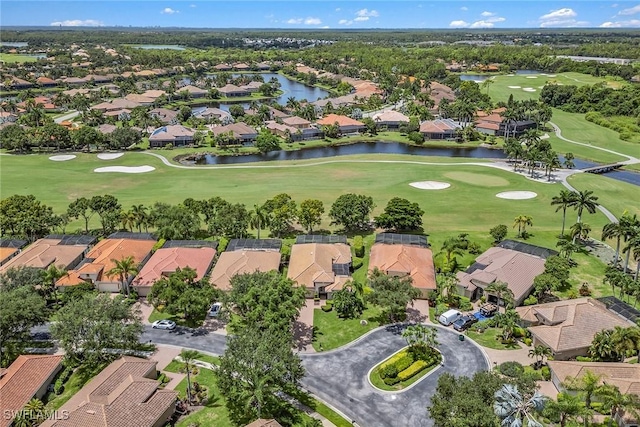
500,289
259,219
188,363
614,230
602,347
512,408
128,219
522,221
615,401
447,285
357,288
450,248
586,385
634,248
140,216
631,225
508,321
52,275
626,341
567,407
540,352
123,268
567,247
564,200
580,230
487,83
35,411
585,200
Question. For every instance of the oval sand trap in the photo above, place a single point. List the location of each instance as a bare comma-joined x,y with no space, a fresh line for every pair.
126,169
62,157
517,195
528,89
513,87
110,156
532,77
430,185
479,179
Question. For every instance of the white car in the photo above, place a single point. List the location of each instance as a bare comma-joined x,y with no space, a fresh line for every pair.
164,324
215,309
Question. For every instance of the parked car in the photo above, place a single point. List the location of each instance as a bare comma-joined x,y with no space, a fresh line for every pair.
215,309
464,322
164,324
448,317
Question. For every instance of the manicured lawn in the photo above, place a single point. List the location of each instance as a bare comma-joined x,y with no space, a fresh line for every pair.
331,332
488,339
617,196
378,382
76,381
10,58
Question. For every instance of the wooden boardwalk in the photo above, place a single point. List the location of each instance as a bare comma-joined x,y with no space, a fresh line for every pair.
603,168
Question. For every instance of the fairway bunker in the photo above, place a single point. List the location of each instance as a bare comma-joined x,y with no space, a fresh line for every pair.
528,89
513,87
110,156
62,157
126,169
532,77
517,195
430,185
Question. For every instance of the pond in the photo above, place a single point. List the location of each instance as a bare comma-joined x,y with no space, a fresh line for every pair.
158,46
357,148
14,44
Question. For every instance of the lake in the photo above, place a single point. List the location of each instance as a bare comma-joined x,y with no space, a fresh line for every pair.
14,44
158,46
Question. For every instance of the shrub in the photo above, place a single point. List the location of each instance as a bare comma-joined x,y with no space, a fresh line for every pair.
531,300
546,373
499,232
358,246
404,363
357,263
474,248
388,368
222,244
584,359
531,374
518,332
327,308
160,243
391,380
416,137
58,387
412,370
527,341
584,290
465,304
511,369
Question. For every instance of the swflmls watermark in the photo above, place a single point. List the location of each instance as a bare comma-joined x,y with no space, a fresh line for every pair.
31,414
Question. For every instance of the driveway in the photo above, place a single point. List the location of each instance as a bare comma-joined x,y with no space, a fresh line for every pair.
197,339
339,377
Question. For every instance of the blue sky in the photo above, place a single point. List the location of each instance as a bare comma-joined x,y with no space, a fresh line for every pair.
323,14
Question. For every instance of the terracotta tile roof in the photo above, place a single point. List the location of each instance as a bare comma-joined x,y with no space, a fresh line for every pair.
296,121
154,93
240,262
116,104
6,253
22,380
403,260
193,90
625,376
171,132
229,88
124,394
166,261
312,263
107,128
44,252
239,130
514,268
140,99
261,422
331,119
45,81
439,126
102,255
571,324
488,125
390,116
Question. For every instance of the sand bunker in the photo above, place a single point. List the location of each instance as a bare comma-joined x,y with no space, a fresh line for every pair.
513,87
551,75
517,195
510,75
126,169
109,156
532,77
528,89
430,185
62,157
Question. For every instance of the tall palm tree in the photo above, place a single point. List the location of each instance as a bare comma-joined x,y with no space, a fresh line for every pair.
634,248
626,341
586,385
602,347
450,248
585,200
522,221
564,200
140,215
614,230
567,407
500,289
188,363
259,219
35,411
123,268
52,275
513,409
614,400
128,219
580,230
631,225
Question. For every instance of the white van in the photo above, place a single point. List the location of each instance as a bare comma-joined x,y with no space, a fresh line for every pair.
448,317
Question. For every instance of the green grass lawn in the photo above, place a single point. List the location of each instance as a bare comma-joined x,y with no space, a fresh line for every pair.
331,332
488,339
76,381
11,58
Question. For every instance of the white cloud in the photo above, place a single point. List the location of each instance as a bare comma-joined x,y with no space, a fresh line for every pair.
481,24
338,9
631,11
561,18
458,24
295,21
487,14
312,21
464,8
345,22
361,18
565,12
494,19
325,27
78,23
621,24
169,11
367,13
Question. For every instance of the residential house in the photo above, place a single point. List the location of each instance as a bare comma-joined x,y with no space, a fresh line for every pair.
154,94
438,92
567,327
116,104
345,124
10,248
230,90
296,122
106,128
252,87
624,376
222,67
261,422
145,101
405,260
238,132
100,260
391,120
8,117
48,251
73,81
209,113
515,128
167,260
26,378
125,393
322,268
177,135
241,67
194,92
97,79
242,259
123,114
440,129
43,81
166,116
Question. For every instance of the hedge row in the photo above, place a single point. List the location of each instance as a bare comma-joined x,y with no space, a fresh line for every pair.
58,386
358,246
412,370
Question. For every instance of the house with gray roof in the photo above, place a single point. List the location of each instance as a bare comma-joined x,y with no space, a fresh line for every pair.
177,135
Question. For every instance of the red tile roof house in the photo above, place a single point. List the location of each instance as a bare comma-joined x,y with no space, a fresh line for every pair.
252,87
140,99
321,268
100,260
568,327
7,117
516,269
167,260
345,124
28,377
439,129
296,122
230,91
165,115
124,394
73,81
116,104
177,135
242,261
45,252
390,119
46,82
625,376
405,260
194,92
240,132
